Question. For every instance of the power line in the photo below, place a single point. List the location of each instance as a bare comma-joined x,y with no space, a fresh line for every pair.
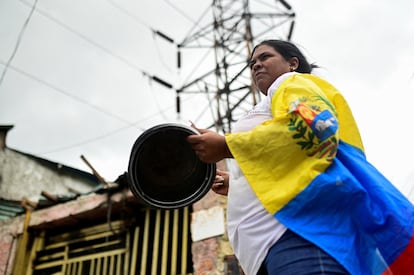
130,15
100,109
89,40
109,52
62,91
125,61
120,58
57,89
83,142
19,39
110,133
181,12
141,22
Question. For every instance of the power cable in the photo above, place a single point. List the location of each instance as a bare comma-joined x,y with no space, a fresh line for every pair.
57,89
196,25
110,133
158,33
141,22
82,36
100,109
157,49
130,15
19,39
109,52
144,24
53,87
90,41
156,102
83,142
181,12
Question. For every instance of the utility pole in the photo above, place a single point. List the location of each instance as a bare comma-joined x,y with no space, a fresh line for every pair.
222,49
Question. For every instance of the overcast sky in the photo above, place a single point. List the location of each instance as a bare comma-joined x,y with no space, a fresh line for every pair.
76,84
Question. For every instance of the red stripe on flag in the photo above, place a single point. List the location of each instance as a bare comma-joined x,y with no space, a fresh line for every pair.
404,264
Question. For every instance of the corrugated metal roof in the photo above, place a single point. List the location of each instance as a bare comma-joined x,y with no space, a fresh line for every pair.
10,209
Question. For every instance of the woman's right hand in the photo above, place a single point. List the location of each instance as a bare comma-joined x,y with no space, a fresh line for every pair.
209,146
221,183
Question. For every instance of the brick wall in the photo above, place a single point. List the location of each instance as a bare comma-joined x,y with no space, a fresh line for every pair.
209,254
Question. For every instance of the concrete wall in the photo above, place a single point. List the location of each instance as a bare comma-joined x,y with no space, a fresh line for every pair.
209,253
22,176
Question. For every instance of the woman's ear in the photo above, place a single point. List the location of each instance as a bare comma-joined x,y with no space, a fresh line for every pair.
294,63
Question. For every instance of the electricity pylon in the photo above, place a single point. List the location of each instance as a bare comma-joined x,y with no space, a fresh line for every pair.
219,52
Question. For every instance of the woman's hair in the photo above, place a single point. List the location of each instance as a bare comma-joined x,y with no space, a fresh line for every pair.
289,50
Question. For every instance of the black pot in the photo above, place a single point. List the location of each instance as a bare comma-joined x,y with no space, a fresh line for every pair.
164,171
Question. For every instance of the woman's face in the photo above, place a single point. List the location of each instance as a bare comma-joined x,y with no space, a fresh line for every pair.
266,65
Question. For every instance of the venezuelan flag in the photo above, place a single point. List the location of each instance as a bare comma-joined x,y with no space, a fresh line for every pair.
308,168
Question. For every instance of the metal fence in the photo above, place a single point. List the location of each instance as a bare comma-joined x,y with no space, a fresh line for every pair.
156,243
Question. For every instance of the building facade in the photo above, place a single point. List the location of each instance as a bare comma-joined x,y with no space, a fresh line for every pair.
59,220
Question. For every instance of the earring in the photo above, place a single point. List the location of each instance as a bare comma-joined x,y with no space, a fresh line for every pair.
292,69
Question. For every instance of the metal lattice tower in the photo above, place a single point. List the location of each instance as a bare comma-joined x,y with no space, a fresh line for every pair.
222,49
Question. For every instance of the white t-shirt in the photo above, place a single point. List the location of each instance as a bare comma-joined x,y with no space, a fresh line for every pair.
252,230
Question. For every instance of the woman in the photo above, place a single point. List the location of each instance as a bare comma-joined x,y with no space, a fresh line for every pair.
302,199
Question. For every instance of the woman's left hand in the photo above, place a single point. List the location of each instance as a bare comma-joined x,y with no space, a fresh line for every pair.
221,183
